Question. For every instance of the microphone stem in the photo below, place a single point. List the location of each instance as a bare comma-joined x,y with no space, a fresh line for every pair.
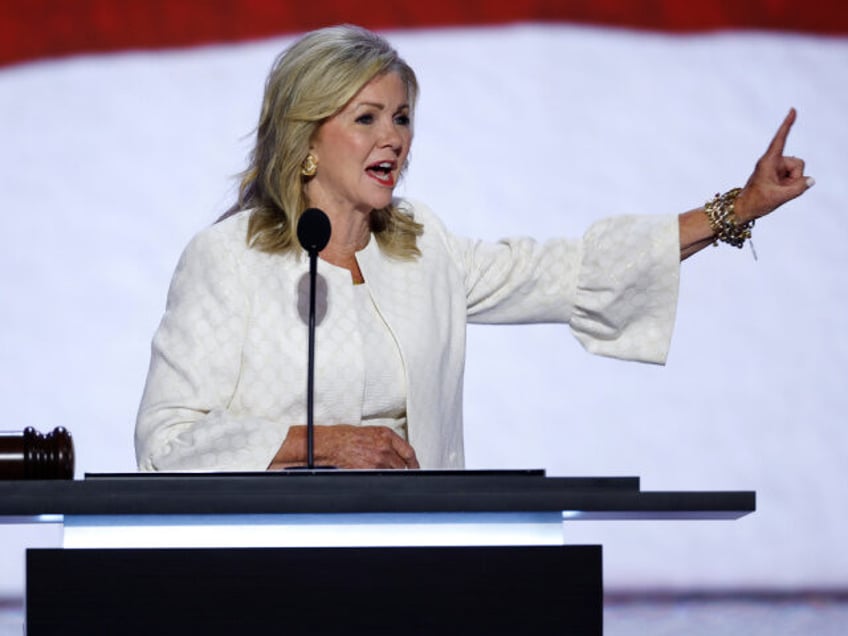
310,386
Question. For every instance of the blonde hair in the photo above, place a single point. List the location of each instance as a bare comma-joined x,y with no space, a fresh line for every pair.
308,83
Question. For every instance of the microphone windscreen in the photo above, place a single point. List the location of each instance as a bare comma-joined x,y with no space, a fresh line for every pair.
313,230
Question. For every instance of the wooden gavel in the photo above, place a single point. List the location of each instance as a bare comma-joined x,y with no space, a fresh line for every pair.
30,455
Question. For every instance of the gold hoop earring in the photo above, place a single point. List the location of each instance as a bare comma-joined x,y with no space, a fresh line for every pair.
309,166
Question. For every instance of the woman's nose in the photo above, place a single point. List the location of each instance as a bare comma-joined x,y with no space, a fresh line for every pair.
391,137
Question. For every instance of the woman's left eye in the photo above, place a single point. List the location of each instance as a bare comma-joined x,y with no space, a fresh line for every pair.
402,120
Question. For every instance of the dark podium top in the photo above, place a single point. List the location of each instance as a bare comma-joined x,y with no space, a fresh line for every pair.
363,492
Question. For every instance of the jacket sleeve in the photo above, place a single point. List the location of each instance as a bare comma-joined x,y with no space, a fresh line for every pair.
617,287
184,422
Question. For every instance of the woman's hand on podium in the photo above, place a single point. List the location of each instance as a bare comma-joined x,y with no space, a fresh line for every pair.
347,446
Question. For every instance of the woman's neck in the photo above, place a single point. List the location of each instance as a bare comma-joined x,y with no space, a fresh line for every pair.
351,232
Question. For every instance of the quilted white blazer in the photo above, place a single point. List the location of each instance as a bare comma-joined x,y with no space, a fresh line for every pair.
227,373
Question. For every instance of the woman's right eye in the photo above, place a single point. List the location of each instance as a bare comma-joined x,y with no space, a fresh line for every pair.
365,119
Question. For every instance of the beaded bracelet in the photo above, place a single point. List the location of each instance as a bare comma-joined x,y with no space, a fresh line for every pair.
723,221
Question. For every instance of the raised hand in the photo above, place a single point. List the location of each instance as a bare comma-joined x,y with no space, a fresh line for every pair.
776,178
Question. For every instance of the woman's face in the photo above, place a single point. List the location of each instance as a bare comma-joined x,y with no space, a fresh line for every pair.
361,149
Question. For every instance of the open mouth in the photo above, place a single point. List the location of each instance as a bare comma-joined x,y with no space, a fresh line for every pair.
382,172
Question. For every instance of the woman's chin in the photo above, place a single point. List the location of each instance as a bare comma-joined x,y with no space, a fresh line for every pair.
380,202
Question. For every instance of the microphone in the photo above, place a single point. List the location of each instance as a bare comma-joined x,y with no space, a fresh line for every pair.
313,232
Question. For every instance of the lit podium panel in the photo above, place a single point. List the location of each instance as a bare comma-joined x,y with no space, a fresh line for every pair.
330,552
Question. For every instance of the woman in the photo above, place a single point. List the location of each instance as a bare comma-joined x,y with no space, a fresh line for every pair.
227,377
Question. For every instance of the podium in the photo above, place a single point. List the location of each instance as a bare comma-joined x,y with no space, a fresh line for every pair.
330,552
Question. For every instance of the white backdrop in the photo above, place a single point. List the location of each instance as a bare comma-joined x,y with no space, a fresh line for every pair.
109,164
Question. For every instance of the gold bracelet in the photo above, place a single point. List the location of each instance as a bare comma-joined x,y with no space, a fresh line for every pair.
723,221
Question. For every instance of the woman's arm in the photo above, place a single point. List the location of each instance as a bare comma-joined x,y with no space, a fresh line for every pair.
184,421
776,179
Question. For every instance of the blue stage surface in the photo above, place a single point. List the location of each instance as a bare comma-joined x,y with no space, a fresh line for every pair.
719,613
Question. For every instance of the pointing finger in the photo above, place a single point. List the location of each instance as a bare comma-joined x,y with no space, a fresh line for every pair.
779,142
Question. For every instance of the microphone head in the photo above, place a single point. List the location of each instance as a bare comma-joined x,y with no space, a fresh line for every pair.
313,230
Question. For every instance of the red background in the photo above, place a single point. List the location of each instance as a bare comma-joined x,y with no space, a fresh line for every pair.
31,29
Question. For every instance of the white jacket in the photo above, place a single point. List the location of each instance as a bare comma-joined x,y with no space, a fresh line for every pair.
228,368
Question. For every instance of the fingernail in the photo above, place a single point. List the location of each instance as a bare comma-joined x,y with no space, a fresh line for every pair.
810,182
